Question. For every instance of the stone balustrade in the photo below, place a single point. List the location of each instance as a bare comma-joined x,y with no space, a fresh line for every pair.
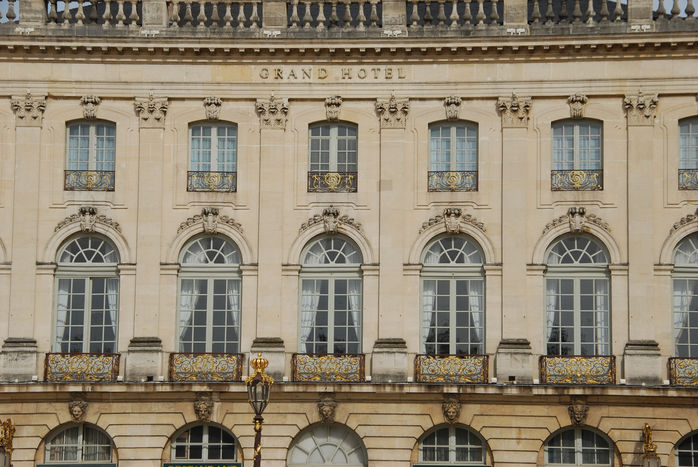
551,12
454,14
116,13
327,14
227,14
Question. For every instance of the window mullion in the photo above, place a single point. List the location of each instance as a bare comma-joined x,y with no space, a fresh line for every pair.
452,163
204,444
214,149
333,148
92,149
451,444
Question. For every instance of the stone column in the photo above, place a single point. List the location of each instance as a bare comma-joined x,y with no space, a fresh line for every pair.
272,118
514,360
642,358
19,350
144,361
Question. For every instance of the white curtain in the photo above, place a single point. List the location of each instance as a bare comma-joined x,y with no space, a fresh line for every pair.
552,305
112,305
186,311
355,306
428,306
475,295
234,306
602,317
95,446
62,333
309,303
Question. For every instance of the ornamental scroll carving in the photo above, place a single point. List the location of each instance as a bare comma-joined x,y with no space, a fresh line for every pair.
88,217
212,107
452,106
89,106
151,112
332,106
514,111
578,411
451,408
209,220
640,109
687,219
577,218
453,218
326,409
330,220
28,110
577,103
272,112
393,112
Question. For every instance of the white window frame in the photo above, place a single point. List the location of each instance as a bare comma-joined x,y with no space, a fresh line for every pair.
578,449
558,162
470,164
205,445
686,270
452,446
79,446
315,432
688,153
214,163
333,148
691,451
92,146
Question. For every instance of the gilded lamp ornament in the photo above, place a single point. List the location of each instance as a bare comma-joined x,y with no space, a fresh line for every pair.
7,433
258,386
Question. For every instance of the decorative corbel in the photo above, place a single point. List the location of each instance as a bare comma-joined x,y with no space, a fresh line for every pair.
272,112
88,217
392,112
578,411
89,106
326,408
151,112
452,219
78,409
28,110
212,107
577,218
640,109
332,107
514,111
452,106
203,406
577,103
209,220
451,408
330,219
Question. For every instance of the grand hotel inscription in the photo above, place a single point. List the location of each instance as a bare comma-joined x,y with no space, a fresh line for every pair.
321,73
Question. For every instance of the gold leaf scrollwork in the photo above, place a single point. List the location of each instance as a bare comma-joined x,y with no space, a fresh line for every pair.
454,180
578,369
87,367
451,368
7,433
576,180
347,368
683,371
205,367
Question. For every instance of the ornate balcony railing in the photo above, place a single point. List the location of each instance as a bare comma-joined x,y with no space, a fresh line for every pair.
338,368
332,182
688,179
578,369
321,15
212,181
81,367
116,13
89,180
451,368
448,14
576,180
683,371
226,14
454,180
206,366
587,12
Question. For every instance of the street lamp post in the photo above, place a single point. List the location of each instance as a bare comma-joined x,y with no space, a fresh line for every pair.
258,386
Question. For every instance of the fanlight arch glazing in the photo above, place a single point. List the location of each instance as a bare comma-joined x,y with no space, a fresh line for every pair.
327,444
453,250
452,444
576,250
686,253
331,250
88,249
578,447
204,442
686,452
82,444
210,250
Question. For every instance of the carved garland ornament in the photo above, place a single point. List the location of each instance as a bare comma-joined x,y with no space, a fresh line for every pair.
326,409
577,103
393,112
687,219
151,111
452,219
209,219
87,217
272,112
577,218
451,408
212,107
89,106
452,106
332,107
331,220
514,111
28,110
640,109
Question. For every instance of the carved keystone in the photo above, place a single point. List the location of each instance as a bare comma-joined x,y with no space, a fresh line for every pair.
28,110
514,111
640,109
393,112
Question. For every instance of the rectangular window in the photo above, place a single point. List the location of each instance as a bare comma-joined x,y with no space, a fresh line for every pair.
213,158
577,156
453,161
332,165
90,156
688,154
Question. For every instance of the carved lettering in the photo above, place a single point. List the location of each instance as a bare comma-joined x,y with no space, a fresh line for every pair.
322,73
264,73
284,73
346,73
361,74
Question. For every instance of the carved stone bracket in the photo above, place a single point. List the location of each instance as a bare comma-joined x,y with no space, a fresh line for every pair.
151,111
87,217
577,218
577,103
453,218
209,220
331,220
212,107
28,110
393,112
687,219
332,106
578,411
326,408
272,112
451,408
452,106
640,109
514,111
78,409
89,106
203,406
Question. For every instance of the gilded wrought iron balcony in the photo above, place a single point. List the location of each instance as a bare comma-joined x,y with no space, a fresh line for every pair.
206,367
578,369
452,180
683,371
337,368
332,182
576,180
81,367
89,180
212,181
688,179
451,368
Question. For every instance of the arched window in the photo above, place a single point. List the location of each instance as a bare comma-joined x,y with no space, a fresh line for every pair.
90,156
577,297
204,442
82,444
577,155
686,452
87,297
578,447
333,158
688,154
331,297
453,150
453,296
685,303
452,444
209,296
327,444
212,157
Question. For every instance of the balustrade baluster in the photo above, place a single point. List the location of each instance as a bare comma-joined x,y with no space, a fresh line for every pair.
215,17
307,16
675,10
188,17
535,13
10,15
577,12
361,17
241,16
321,20
494,14
120,16
468,15
174,18
480,17
294,15
8,10
428,19
334,19
590,14
67,15
550,13
453,18
690,11
347,13
52,14
201,17
604,10
374,14
414,17
618,12
563,12
91,16
661,11
133,17
254,16
228,17
441,15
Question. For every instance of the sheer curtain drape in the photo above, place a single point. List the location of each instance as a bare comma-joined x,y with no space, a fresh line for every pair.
428,308
187,300
355,306
475,298
309,303
551,302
